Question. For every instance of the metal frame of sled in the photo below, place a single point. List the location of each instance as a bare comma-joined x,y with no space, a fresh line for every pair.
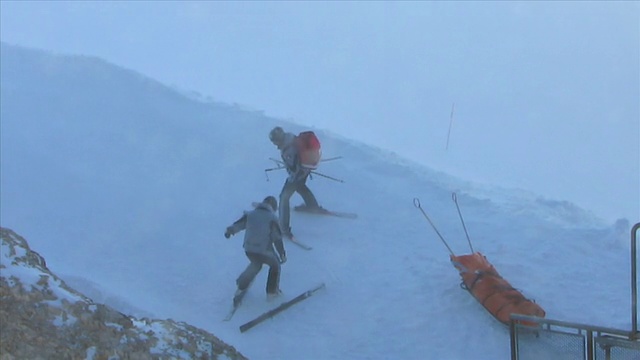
481,279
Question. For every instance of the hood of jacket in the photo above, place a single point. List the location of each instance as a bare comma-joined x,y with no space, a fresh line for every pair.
265,206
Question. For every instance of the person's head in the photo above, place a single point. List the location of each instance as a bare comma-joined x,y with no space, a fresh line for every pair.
271,201
276,135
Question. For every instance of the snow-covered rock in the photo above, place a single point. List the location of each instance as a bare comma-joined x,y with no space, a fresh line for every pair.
43,318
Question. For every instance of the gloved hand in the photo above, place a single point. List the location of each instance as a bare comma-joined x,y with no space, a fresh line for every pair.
228,232
283,258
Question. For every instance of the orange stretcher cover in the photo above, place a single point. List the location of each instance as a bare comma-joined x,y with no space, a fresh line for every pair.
482,280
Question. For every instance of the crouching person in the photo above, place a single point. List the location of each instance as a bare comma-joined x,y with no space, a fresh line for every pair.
262,245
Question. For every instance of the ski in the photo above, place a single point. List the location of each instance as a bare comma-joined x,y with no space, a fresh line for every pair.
295,241
237,301
285,305
231,312
322,211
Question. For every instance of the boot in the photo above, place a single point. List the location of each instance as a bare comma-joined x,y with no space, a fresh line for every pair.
238,296
286,232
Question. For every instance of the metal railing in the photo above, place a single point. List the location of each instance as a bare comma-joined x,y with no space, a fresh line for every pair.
535,338
538,338
634,276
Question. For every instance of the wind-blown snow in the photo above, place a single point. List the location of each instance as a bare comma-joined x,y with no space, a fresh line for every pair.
122,183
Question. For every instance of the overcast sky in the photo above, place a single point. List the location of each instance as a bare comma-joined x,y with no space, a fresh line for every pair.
546,93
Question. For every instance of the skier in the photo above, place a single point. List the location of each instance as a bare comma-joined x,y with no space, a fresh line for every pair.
261,235
297,179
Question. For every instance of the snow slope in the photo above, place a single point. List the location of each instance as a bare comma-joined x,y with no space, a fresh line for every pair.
126,187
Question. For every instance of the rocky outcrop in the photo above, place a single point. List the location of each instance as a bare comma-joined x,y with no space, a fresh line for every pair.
43,318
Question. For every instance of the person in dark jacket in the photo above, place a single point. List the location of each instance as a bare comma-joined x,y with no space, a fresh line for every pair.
297,179
262,234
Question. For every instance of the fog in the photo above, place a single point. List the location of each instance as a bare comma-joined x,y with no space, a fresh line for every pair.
546,94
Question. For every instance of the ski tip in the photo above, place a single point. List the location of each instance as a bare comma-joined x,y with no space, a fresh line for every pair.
314,289
229,316
298,243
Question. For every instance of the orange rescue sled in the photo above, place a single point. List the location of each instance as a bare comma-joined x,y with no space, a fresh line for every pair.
482,280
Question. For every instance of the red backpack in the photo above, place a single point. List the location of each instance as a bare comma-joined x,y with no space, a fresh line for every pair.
309,149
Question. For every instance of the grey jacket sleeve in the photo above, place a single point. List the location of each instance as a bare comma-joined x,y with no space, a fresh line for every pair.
290,156
238,225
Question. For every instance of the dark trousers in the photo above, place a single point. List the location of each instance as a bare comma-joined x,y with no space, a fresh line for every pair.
299,186
257,260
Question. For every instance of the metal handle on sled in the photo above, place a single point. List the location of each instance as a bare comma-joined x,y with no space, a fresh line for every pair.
454,196
416,203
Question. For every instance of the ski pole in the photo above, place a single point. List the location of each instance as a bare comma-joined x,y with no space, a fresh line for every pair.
321,160
416,203
272,169
328,177
279,167
455,200
281,163
275,168
313,172
331,159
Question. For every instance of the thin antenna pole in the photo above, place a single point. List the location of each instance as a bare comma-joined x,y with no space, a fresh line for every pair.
450,124
455,200
416,203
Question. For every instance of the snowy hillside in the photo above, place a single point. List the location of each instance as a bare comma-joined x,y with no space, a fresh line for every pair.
127,186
